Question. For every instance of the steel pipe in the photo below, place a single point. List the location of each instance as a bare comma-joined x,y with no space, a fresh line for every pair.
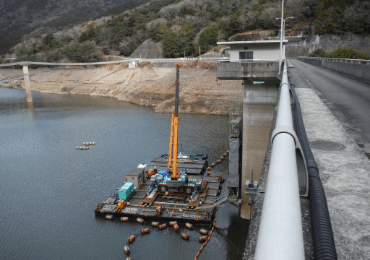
280,234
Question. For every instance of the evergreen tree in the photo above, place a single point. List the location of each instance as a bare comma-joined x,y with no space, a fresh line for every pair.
171,45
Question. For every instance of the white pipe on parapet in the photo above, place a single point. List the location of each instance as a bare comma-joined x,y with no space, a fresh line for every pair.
280,234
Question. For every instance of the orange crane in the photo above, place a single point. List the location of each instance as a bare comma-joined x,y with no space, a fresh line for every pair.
174,138
177,183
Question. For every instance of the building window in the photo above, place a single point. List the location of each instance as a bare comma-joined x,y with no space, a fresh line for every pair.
246,55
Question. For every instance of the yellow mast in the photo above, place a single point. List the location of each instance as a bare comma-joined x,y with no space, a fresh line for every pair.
174,138
169,167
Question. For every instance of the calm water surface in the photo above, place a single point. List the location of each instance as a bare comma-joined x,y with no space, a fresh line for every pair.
49,190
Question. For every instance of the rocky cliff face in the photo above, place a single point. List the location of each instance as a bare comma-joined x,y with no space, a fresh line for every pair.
19,17
328,42
148,50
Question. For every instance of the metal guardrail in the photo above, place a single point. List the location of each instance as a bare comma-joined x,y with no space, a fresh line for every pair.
184,59
250,60
358,61
280,234
27,63
215,58
165,59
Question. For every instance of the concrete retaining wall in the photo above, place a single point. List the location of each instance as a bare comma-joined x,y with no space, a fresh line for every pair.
327,42
357,70
294,51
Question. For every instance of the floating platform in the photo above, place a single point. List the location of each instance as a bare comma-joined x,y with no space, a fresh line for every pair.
192,166
179,207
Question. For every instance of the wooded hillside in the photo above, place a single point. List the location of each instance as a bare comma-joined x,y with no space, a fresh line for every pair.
32,17
185,26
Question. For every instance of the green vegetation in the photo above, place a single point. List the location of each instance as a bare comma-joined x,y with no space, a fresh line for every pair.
208,38
54,15
89,35
348,53
341,52
49,41
318,53
185,27
339,16
81,53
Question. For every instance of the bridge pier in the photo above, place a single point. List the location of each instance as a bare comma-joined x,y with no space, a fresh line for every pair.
27,84
259,102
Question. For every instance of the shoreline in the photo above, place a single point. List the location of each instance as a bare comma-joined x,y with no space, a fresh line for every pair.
200,92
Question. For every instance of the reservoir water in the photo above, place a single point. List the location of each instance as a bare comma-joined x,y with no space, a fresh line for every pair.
49,190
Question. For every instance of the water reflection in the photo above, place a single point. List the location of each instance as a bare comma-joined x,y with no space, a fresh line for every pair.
31,111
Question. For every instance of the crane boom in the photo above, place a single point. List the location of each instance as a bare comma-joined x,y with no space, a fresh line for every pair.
174,137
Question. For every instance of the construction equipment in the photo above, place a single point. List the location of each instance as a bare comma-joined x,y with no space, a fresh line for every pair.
149,174
174,137
121,205
163,182
172,180
126,190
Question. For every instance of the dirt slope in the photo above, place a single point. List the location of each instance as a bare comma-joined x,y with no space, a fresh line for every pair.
144,85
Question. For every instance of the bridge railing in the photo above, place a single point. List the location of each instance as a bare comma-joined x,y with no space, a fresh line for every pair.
356,61
353,67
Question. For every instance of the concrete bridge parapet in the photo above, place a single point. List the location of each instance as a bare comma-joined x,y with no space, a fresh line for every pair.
350,67
247,69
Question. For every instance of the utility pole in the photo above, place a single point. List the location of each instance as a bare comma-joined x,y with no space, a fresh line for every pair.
281,34
282,31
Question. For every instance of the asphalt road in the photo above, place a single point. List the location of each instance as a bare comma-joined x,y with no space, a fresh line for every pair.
347,98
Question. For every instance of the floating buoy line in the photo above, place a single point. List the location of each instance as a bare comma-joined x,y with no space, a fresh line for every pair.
208,238
205,235
86,146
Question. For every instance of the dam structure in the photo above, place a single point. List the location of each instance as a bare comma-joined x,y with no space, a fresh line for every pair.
256,63
275,146
336,147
